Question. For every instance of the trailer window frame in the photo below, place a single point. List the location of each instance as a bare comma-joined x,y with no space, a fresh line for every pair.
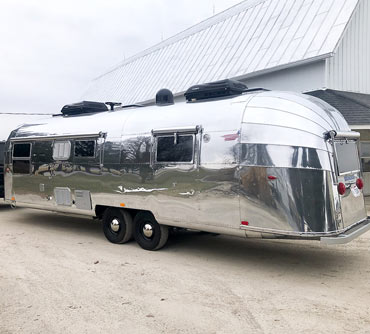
64,157
2,152
362,145
175,134
84,156
178,161
365,157
339,164
24,159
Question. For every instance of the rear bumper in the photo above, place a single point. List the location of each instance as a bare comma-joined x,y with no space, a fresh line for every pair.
349,235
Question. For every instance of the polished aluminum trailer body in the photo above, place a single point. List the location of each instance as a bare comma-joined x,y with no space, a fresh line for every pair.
263,164
9,122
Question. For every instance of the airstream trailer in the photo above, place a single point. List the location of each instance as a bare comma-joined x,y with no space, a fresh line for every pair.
261,164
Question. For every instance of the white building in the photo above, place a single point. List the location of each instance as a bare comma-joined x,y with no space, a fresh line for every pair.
300,45
316,46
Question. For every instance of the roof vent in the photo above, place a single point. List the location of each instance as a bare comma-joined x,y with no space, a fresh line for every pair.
164,97
217,89
84,107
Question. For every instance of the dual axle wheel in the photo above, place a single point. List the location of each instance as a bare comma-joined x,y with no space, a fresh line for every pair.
119,228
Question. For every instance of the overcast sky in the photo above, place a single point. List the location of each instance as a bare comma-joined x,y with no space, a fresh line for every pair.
50,50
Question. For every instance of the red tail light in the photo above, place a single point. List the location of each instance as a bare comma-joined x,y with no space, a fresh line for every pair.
359,184
341,188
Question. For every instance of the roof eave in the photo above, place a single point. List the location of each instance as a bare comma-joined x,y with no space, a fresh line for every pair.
285,66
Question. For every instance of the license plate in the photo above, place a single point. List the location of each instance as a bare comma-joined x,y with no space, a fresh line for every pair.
355,191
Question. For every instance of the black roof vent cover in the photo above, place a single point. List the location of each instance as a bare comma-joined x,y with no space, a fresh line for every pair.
84,107
164,97
215,89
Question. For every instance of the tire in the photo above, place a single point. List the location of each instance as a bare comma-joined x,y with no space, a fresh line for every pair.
117,225
144,225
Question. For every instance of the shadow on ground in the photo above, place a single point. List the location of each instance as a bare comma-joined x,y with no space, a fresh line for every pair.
59,222
301,257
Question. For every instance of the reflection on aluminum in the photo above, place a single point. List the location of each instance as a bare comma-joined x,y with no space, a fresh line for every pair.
263,159
138,190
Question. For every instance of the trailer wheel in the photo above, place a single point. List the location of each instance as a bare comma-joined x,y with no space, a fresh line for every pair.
148,233
117,226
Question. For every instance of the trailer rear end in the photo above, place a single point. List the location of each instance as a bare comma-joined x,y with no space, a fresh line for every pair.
351,214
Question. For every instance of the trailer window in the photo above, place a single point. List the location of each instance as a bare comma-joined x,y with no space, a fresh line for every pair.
85,148
2,149
21,166
22,158
365,156
175,148
347,157
365,149
62,150
22,151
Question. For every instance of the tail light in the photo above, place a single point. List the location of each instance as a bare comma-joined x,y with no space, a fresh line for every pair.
359,184
341,188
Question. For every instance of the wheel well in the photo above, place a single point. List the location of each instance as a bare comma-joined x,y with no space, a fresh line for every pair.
100,209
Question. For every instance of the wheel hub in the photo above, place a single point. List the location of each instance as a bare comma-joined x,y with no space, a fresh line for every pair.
115,225
148,230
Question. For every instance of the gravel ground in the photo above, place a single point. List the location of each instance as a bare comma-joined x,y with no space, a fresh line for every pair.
59,274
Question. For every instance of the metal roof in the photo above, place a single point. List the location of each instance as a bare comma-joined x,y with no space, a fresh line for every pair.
250,38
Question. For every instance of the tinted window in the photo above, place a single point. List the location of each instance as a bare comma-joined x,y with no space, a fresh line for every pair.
171,150
347,156
21,166
365,149
365,165
22,150
85,148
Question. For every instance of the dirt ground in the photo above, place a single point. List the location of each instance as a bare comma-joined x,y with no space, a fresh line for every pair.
60,275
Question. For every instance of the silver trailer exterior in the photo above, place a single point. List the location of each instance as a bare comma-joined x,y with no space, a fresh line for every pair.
263,164
9,122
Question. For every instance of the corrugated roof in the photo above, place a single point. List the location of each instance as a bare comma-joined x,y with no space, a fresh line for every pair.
354,107
252,37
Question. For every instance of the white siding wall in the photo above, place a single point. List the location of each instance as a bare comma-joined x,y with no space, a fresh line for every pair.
349,69
299,79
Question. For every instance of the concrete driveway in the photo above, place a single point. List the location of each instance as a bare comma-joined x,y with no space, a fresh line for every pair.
59,274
